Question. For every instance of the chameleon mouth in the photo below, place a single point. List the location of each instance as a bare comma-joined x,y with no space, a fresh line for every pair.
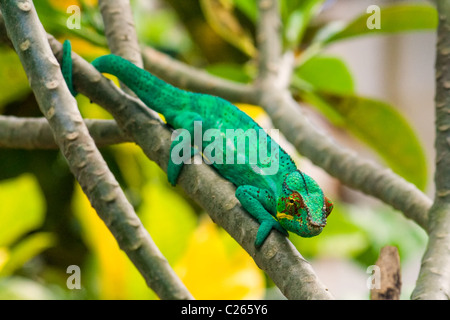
313,223
315,228
316,224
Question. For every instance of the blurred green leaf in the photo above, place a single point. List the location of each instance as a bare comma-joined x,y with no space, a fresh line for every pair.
359,232
296,15
341,238
221,18
107,261
160,28
382,127
384,226
54,17
230,71
213,257
13,81
22,208
327,74
26,249
167,216
394,18
248,7
18,288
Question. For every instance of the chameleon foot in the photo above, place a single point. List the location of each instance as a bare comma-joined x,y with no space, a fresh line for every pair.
264,230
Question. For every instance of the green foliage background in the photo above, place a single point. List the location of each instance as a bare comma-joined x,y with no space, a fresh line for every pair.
46,223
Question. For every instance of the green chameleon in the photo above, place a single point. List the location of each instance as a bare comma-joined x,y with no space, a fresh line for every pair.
285,200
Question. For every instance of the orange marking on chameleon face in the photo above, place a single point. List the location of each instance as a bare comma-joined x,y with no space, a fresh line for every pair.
293,204
328,206
281,215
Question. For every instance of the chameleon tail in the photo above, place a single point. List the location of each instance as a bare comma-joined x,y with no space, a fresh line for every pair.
66,66
155,93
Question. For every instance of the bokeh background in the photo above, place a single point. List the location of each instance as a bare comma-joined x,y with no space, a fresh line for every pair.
47,224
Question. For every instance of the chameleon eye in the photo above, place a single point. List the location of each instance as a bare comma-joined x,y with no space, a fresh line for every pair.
291,200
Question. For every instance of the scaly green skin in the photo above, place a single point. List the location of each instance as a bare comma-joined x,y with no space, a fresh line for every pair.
287,200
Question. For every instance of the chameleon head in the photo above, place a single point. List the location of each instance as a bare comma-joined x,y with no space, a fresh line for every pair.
302,208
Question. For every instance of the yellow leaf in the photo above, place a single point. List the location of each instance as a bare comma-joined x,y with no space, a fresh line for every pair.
117,276
4,255
251,110
168,217
63,4
25,250
18,216
211,270
85,48
130,159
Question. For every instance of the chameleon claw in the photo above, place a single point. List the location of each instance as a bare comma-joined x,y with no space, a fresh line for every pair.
264,230
280,229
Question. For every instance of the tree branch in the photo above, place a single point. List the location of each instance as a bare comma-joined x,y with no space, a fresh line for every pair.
201,183
346,165
59,107
190,78
434,276
35,133
269,41
120,32
358,173
390,275
287,115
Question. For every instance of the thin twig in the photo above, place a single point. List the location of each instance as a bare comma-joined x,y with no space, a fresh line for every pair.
390,279
346,165
35,133
343,164
120,32
269,42
193,79
434,276
85,161
356,172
